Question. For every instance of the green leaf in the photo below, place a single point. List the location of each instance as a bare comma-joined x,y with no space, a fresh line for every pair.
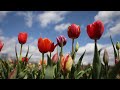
30,57
115,52
80,60
115,70
27,52
49,74
96,64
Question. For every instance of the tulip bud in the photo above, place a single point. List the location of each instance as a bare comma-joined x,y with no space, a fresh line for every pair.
24,59
77,47
55,58
118,45
105,57
66,63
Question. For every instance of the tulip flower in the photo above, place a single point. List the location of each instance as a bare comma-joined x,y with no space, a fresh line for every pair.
61,40
73,31
44,46
1,45
24,59
52,47
55,58
66,63
22,37
95,30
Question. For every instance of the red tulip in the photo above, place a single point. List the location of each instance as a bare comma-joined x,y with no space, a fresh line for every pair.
95,30
55,58
44,45
52,47
22,37
73,31
61,39
1,45
24,59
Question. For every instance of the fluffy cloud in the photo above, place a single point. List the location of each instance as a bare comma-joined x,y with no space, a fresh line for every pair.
53,17
3,14
88,58
112,21
28,16
62,27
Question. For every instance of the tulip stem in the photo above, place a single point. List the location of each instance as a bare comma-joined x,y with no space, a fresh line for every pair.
50,55
21,52
42,65
72,46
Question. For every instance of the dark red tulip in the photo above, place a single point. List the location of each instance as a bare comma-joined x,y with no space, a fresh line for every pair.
22,37
44,45
24,59
61,39
1,45
52,47
73,31
95,30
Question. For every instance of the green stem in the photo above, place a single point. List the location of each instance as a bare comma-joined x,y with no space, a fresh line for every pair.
50,55
42,65
72,46
21,52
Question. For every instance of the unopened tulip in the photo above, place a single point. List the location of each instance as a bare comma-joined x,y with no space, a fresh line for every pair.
118,45
24,59
73,31
44,62
95,30
77,47
105,57
55,58
66,63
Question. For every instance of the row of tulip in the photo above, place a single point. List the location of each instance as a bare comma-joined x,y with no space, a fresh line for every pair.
62,66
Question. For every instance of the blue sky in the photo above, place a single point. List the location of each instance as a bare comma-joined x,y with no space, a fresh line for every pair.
51,24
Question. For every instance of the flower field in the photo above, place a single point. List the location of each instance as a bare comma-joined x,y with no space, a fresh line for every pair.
61,65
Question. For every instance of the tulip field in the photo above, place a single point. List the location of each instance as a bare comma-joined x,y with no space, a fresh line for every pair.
61,65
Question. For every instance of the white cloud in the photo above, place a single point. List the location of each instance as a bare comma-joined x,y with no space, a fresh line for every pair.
113,30
28,16
3,14
88,57
112,21
62,27
53,17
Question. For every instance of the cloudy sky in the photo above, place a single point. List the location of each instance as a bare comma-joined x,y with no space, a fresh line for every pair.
51,24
